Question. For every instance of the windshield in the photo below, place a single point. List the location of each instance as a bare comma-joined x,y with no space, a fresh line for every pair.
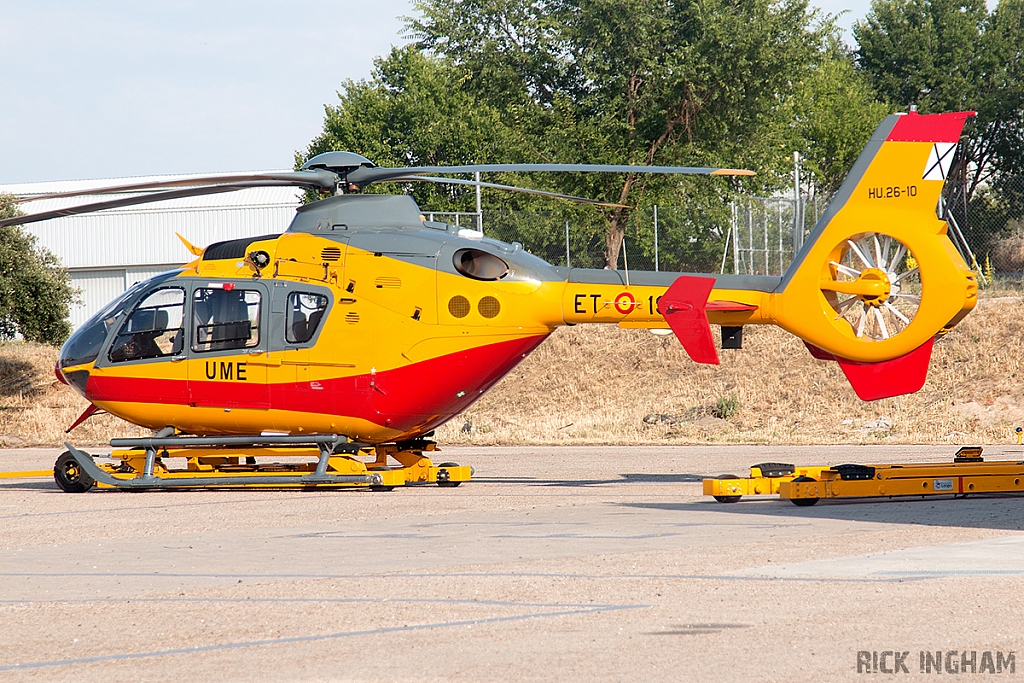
84,345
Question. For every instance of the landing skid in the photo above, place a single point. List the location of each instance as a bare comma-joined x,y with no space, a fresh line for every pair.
327,460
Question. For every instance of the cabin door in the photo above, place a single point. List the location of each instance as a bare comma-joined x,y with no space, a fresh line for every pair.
227,356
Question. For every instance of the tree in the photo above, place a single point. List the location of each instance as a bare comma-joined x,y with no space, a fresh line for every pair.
708,82
836,110
35,291
415,110
950,55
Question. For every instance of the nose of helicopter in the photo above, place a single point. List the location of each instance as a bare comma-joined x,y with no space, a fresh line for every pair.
77,354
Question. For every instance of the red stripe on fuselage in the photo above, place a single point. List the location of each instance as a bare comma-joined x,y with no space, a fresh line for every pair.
421,395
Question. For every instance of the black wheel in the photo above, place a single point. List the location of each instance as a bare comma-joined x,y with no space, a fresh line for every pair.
70,476
804,502
442,476
727,499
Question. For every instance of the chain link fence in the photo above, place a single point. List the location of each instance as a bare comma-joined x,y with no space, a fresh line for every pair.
988,228
752,235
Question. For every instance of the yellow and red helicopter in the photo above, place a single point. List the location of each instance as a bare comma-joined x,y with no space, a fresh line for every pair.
363,326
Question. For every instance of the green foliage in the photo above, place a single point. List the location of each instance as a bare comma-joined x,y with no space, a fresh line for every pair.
726,407
35,291
635,81
836,111
709,83
415,110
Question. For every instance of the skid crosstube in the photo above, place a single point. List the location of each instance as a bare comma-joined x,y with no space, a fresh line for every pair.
327,460
968,473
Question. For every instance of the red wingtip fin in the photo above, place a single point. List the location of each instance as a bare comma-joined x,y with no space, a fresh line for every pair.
903,375
683,306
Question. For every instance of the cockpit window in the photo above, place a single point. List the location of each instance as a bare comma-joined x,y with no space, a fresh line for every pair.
84,345
304,313
225,318
479,265
154,329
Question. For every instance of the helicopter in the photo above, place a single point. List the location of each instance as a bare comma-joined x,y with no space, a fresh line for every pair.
363,327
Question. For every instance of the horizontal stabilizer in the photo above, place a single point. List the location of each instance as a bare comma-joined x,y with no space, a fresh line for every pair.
903,375
820,354
683,306
729,306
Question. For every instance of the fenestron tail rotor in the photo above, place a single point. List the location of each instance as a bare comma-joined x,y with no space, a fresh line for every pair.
874,285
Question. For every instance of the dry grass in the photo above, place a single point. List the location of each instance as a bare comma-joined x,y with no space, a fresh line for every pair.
596,384
35,408
589,385
1007,253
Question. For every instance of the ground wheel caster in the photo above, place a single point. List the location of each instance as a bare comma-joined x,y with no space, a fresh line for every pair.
803,502
70,476
382,488
443,476
727,499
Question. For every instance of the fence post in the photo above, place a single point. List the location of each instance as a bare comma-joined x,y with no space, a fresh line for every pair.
735,239
798,233
567,263
655,238
479,211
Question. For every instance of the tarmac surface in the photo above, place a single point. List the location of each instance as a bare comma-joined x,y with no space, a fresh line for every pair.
554,564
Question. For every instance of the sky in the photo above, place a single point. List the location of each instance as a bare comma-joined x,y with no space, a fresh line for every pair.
108,89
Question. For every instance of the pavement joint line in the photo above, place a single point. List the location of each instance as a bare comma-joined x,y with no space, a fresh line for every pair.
930,573
613,577
381,601
127,509
309,639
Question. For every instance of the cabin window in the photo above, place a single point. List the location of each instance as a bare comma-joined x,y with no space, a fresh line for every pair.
305,311
225,318
479,265
154,329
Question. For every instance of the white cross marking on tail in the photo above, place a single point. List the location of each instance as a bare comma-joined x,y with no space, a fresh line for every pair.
939,161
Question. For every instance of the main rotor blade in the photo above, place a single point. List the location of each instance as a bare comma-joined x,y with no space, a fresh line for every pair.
132,201
512,188
365,176
314,178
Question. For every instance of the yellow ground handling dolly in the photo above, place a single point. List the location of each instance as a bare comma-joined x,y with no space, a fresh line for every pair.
968,473
327,460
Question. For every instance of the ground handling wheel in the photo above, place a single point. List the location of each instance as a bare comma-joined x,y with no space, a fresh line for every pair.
443,477
70,476
803,502
727,499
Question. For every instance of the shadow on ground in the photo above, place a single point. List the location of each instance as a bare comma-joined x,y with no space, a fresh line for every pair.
977,511
622,479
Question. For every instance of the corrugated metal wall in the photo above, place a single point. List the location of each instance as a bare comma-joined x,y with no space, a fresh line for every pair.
107,252
96,288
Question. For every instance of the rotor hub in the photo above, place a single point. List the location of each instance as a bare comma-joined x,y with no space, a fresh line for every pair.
875,285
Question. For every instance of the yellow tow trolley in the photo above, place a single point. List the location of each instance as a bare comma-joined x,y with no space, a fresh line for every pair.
967,474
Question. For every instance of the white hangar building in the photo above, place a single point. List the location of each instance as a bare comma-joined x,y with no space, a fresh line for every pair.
108,251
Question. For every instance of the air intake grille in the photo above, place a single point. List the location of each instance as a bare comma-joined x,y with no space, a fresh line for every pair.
330,254
458,306
489,307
